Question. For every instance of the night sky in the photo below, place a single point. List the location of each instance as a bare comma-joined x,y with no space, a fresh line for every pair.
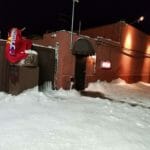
40,16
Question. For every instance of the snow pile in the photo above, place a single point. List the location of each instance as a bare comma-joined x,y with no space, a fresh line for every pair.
65,120
121,91
31,52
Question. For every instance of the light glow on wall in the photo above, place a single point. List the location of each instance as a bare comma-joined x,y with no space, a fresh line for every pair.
128,41
146,66
125,59
92,63
148,49
92,59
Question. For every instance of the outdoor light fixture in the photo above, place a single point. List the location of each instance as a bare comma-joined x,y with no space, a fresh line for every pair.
72,22
94,57
105,64
140,19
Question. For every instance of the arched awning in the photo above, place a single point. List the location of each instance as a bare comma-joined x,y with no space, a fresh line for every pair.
83,47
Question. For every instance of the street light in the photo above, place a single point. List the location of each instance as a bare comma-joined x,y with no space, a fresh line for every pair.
72,22
140,19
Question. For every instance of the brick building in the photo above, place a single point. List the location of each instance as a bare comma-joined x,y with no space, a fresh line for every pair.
134,52
104,53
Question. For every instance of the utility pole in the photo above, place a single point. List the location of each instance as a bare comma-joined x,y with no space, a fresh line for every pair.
72,22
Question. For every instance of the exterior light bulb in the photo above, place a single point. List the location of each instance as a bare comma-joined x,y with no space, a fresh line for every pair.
141,18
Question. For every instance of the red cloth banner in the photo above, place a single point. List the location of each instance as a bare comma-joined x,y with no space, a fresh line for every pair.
16,46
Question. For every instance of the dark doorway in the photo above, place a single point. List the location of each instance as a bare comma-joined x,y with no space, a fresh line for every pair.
46,63
81,49
80,69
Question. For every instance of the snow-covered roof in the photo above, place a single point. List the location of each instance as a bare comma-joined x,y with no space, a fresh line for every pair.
49,46
103,40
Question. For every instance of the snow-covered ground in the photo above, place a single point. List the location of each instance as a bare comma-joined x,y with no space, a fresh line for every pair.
119,90
65,120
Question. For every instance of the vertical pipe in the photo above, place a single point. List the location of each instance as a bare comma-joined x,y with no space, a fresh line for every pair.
79,27
72,22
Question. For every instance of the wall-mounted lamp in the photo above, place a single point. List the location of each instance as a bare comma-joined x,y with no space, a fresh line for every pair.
53,35
105,64
94,57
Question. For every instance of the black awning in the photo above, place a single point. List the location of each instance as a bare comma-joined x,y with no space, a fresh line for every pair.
83,47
